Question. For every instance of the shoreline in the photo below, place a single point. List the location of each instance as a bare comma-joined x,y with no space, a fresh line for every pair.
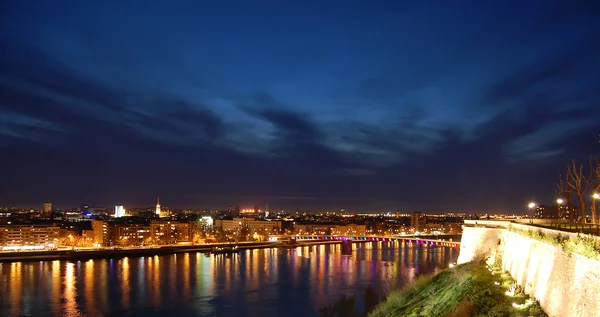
74,255
77,255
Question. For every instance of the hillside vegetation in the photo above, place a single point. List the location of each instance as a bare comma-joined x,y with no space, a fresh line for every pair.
471,289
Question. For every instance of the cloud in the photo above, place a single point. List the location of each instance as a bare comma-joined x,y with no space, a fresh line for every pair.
298,140
411,119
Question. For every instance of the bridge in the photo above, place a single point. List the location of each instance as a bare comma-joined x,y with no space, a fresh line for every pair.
411,240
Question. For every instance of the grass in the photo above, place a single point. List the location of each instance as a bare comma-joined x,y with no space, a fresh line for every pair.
471,289
583,244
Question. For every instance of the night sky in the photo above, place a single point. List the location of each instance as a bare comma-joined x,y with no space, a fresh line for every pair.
448,106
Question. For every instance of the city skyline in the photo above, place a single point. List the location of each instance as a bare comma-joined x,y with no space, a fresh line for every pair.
249,209
374,106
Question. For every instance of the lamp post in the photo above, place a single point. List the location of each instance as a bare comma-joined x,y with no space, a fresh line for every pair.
596,196
531,206
559,214
559,202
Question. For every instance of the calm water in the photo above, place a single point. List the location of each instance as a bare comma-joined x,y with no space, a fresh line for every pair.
266,282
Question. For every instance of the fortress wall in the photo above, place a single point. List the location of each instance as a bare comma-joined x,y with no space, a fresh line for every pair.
565,283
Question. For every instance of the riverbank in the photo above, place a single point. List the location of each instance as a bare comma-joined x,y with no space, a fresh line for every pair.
470,289
124,252
84,254
70,255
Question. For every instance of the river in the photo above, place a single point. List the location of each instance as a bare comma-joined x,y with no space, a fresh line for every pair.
260,282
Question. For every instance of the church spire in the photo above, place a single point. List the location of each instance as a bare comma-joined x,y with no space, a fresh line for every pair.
158,206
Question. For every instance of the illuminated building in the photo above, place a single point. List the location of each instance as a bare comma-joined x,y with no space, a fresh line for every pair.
314,228
87,238
29,235
206,223
101,233
119,211
229,225
161,212
545,212
350,229
158,206
330,229
417,221
170,232
264,226
47,209
252,225
564,212
131,234
73,215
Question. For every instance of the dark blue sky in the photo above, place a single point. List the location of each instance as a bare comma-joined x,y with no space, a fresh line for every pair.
312,105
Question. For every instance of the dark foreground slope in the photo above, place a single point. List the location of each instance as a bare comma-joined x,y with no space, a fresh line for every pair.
471,289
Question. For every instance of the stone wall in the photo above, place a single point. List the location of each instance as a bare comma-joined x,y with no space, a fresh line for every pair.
566,284
477,243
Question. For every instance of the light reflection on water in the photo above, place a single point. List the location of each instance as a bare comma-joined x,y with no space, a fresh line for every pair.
267,282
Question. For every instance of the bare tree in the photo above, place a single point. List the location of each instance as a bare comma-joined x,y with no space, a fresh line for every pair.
578,183
564,192
595,183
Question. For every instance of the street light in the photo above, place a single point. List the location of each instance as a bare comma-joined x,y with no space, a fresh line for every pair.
596,196
560,211
531,206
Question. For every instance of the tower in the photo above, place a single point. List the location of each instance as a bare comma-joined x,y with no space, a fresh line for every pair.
47,209
119,211
158,206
